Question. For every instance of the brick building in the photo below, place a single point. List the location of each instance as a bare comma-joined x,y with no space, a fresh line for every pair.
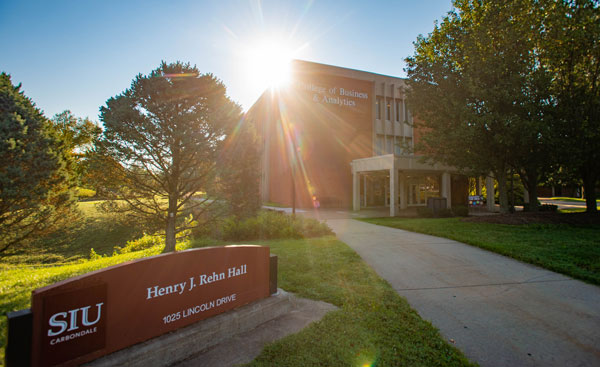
345,138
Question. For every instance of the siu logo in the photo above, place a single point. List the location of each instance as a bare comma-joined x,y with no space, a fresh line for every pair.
74,324
77,321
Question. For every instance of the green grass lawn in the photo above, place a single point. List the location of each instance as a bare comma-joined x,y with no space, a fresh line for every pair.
574,200
95,229
570,250
572,210
374,325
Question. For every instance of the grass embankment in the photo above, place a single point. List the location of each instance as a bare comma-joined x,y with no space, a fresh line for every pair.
570,250
95,229
373,326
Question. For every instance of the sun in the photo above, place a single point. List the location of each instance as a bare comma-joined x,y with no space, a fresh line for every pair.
268,63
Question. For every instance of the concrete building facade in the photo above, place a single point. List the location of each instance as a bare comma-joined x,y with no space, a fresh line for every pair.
337,137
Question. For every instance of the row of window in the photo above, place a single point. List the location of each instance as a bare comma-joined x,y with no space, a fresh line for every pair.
401,112
390,144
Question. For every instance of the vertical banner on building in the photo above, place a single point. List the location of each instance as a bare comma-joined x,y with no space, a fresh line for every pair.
83,318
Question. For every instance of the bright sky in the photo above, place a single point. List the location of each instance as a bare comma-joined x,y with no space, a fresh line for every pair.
77,54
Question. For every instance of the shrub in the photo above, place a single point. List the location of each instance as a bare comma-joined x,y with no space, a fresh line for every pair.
424,212
460,211
443,213
272,225
83,193
527,207
548,208
94,255
142,243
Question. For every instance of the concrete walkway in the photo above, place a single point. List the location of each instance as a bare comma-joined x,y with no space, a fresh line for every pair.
498,311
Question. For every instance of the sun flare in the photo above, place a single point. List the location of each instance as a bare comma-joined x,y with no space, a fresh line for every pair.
269,63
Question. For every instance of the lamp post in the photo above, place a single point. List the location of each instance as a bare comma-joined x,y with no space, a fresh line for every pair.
293,189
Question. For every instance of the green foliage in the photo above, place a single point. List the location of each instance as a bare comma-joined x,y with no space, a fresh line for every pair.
36,185
73,241
424,212
83,193
78,135
482,94
569,250
571,51
272,225
548,208
94,255
460,211
161,138
239,170
143,243
444,213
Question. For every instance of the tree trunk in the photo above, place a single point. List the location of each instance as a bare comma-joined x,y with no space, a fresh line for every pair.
170,230
502,192
589,185
532,183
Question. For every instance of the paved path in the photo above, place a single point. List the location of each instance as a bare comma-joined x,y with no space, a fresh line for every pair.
499,312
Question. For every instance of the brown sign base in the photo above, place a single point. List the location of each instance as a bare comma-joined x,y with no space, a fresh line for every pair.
179,345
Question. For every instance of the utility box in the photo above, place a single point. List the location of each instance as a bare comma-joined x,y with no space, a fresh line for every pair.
436,204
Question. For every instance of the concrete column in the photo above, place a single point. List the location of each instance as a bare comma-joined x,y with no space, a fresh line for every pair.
393,190
365,190
386,192
355,191
402,191
447,189
489,186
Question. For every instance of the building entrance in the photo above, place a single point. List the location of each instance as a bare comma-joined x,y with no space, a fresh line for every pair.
422,187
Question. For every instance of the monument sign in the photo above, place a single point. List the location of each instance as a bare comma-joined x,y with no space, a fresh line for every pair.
83,318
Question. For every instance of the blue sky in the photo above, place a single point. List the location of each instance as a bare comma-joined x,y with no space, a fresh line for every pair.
77,54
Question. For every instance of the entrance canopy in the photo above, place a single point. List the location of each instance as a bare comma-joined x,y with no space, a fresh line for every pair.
410,181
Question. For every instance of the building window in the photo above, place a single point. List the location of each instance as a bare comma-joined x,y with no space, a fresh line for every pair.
379,144
389,146
378,108
388,109
407,145
398,148
406,115
398,109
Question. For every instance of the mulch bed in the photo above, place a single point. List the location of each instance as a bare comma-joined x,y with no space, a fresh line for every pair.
577,219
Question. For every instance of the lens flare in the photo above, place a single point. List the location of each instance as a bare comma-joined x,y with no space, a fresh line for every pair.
269,62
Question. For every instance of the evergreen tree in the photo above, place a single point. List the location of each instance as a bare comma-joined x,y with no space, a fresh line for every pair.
36,185
163,135
239,172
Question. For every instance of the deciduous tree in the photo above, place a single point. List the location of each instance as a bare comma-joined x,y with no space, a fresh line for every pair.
481,93
79,136
571,50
